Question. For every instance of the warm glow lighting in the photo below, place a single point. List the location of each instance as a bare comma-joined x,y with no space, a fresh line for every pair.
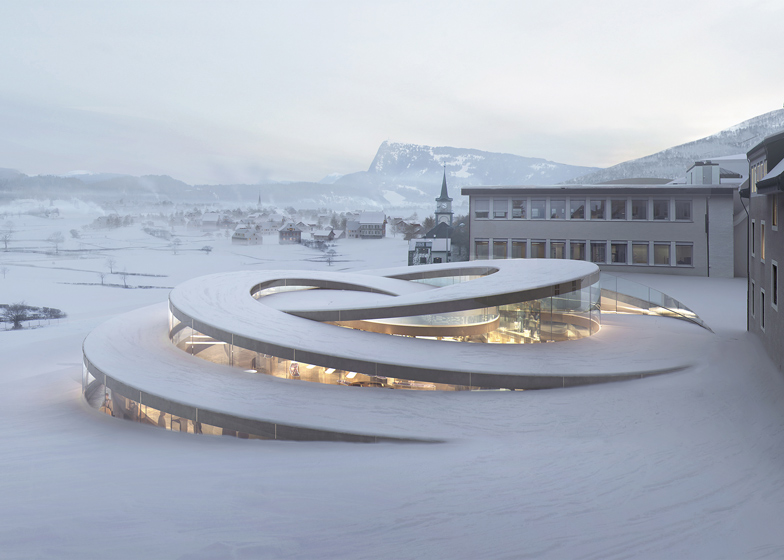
351,375
330,370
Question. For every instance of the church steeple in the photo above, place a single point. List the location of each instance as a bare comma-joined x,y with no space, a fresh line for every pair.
444,204
444,193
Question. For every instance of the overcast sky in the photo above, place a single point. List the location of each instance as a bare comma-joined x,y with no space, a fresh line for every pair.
226,91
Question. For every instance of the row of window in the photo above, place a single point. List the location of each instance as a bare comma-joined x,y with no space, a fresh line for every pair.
774,299
581,208
645,253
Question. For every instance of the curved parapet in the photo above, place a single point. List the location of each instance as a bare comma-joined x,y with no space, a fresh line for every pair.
439,328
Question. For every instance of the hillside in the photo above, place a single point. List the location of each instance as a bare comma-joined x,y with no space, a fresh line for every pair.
673,162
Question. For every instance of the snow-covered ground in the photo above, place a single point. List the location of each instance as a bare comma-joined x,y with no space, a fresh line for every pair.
685,465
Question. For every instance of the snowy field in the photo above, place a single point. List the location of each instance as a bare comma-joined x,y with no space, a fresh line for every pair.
685,465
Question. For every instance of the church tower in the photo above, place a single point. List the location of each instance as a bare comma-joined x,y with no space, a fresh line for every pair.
444,205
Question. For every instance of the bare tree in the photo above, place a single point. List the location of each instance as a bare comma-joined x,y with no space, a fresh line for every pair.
207,249
75,234
175,244
55,239
102,275
124,275
7,233
330,255
16,313
111,262
4,270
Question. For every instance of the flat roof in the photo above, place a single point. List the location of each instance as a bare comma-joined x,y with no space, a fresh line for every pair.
593,189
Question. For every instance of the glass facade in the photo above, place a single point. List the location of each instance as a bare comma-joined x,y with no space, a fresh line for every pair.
499,248
577,250
131,406
537,209
620,295
639,209
597,209
518,249
557,249
567,316
618,209
538,249
640,253
618,252
482,249
518,209
661,254
577,208
557,209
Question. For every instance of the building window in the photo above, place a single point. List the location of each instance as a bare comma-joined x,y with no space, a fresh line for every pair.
482,208
482,249
774,285
762,309
518,209
537,209
661,254
683,254
537,249
683,210
518,248
618,209
661,210
500,208
639,253
499,248
557,249
618,252
598,251
753,299
597,209
639,209
577,250
577,208
753,237
762,241
557,209
774,211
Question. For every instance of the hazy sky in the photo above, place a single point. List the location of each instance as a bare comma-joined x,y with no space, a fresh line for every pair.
228,91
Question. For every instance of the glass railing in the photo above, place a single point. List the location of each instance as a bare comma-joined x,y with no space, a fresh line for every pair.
620,295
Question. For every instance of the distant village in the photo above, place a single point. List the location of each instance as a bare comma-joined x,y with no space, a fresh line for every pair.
437,238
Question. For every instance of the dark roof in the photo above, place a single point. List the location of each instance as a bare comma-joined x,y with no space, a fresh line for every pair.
727,174
441,231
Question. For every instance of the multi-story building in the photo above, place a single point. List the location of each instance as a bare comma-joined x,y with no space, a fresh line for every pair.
673,229
372,225
766,244
289,234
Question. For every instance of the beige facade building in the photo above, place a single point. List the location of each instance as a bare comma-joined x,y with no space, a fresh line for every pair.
672,229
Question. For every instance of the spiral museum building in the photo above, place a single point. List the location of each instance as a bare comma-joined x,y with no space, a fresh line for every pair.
239,346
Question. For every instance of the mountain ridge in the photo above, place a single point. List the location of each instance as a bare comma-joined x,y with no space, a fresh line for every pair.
674,161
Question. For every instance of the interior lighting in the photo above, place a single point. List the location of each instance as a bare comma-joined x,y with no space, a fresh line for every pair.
330,370
311,366
351,375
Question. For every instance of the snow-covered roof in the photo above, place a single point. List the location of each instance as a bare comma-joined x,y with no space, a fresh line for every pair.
372,218
289,226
